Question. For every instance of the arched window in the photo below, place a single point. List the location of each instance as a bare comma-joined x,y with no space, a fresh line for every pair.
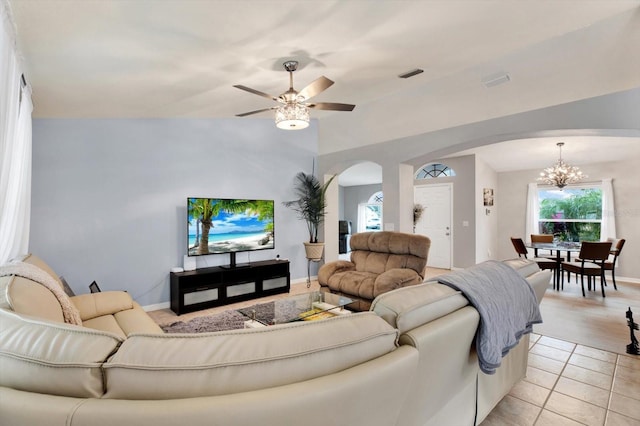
376,198
370,214
435,170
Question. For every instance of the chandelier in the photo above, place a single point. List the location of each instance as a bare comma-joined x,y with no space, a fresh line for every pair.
561,174
292,116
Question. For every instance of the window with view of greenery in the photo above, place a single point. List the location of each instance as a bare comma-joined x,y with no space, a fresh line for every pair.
573,214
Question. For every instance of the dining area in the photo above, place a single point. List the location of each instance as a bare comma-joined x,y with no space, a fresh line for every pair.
586,260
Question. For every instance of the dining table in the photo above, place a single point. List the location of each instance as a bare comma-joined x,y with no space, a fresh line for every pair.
557,248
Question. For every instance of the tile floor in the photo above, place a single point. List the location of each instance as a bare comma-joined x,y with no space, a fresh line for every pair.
569,384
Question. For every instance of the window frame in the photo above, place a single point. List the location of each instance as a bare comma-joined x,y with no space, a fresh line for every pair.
591,185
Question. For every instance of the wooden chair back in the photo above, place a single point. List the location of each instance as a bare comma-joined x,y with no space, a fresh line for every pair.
541,238
521,249
616,245
595,251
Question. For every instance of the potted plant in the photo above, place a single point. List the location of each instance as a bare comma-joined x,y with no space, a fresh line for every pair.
417,214
310,206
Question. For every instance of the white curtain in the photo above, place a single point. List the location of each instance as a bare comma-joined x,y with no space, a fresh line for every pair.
533,214
15,146
608,227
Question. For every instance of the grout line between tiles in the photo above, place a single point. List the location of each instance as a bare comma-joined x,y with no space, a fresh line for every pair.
554,383
560,374
613,382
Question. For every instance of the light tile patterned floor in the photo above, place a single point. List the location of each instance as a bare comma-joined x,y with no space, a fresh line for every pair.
569,384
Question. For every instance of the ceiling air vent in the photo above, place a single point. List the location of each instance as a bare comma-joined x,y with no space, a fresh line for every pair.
496,79
411,73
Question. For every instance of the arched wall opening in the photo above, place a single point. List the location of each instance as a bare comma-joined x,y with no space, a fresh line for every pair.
357,181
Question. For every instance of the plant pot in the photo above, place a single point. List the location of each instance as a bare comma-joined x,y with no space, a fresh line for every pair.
314,250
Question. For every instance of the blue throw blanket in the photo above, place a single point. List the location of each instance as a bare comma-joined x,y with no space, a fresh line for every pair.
507,305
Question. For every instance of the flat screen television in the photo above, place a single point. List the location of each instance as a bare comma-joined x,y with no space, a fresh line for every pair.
229,225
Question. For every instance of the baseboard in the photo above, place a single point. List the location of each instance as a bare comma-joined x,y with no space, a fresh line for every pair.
156,307
626,279
303,280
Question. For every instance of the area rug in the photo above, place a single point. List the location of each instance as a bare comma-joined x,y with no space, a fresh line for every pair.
267,313
227,320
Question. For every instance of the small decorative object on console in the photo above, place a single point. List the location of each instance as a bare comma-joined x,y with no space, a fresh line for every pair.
632,348
93,287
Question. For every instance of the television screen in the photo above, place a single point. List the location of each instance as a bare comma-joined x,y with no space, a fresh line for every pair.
225,225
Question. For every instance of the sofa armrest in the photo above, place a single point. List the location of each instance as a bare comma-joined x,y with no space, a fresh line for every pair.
93,305
395,278
331,268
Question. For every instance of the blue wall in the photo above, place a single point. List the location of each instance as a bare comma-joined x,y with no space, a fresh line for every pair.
109,195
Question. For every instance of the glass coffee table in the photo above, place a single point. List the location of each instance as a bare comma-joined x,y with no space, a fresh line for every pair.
302,307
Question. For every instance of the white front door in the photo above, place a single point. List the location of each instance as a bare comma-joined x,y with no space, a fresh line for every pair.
435,221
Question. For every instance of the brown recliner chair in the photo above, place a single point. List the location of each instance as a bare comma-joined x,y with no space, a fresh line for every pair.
380,262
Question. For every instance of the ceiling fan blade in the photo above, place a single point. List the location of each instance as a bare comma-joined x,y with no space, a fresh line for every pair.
244,114
315,87
333,106
257,92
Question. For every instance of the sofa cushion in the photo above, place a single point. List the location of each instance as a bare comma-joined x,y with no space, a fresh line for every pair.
395,278
20,294
356,283
192,365
377,252
106,323
525,267
136,320
52,358
93,305
36,261
409,307
29,298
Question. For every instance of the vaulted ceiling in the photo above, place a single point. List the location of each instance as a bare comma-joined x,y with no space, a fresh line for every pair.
181,58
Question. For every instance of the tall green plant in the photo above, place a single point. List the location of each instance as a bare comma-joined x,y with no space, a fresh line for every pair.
311,203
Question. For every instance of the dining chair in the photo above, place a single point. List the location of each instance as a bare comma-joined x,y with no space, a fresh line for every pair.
610,265
592,256
545,239
543,262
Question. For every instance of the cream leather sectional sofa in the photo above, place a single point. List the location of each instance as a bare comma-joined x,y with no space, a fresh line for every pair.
409,361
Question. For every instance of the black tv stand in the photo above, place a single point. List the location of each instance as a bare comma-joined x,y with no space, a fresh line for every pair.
208,287
232,262
236,266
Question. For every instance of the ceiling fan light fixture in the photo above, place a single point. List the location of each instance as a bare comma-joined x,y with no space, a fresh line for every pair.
293,112
292,116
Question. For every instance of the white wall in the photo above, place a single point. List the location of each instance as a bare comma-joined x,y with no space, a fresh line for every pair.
486,217
109,196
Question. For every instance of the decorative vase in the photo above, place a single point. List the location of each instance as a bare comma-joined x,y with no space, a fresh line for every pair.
314,250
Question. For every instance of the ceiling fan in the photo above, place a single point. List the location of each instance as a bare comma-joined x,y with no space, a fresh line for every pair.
293,113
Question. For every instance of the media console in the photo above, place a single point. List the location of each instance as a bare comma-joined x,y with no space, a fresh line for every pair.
208,287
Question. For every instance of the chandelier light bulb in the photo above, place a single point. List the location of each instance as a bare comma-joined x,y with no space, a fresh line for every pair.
561,174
